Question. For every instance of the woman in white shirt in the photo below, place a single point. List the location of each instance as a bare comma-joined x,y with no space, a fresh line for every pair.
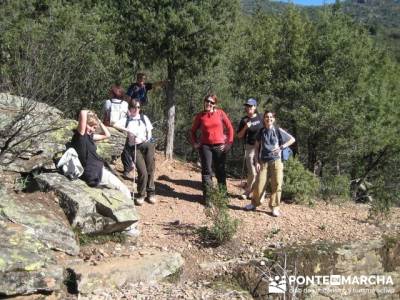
139,128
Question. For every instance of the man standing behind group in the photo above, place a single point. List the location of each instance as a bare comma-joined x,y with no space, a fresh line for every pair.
249,127
138,90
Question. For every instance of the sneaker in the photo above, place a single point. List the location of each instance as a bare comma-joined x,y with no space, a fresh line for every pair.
139,201
276,212
249,207
132,231
152,199
244,196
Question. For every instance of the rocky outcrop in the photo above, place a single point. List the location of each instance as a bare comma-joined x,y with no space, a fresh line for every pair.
26,264
93,210
50,226
114,273
40,135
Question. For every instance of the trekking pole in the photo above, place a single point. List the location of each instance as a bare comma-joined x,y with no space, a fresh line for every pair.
134,173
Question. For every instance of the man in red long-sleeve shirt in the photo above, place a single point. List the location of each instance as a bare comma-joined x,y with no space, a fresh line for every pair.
214,143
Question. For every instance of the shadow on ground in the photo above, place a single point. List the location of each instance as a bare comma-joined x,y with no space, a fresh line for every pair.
166,191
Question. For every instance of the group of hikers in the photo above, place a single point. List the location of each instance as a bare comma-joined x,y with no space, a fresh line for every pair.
263,141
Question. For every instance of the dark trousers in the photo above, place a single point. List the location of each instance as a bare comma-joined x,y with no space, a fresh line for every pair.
126,157
145,162
211,156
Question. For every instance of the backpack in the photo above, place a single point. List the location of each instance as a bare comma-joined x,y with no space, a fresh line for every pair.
116,111
286,152
70,165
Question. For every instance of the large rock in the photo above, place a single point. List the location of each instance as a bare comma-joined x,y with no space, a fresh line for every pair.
93,210
26,264
44,134
50,226
117,272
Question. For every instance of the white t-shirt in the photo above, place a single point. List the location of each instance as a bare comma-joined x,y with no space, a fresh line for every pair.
138,131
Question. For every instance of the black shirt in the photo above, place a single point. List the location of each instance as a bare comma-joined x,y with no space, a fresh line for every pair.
251,133
91,162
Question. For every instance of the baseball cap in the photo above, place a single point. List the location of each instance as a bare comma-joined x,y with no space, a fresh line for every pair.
251,101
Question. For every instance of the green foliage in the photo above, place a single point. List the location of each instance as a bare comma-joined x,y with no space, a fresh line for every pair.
88,239
21,184
382,199
380,206
300,184
223,227
335,187
58,53
182,37
332,88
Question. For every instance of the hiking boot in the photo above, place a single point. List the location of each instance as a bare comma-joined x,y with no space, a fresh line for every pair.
249,207
139,201
152,199
276,212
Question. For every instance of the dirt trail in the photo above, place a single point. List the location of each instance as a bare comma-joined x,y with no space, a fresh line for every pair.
172,222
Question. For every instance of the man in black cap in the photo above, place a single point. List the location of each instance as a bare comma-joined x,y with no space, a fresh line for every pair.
248,129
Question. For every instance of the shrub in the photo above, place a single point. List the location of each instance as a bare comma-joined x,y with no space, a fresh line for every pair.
335,187
300,185
382,199
223,227
89,239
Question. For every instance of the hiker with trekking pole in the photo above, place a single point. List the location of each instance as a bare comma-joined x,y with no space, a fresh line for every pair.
249,126
141,149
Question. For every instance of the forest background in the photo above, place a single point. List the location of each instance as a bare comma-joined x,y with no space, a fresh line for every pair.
331,73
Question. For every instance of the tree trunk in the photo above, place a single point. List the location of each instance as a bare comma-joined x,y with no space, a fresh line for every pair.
312,153
170,113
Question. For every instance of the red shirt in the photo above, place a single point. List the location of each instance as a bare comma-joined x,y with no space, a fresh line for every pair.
212,126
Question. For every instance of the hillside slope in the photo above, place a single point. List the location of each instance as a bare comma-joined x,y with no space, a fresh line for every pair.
380,17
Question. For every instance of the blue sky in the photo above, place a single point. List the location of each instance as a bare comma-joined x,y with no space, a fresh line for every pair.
310,2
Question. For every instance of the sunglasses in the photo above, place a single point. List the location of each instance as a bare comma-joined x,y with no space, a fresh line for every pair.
208,101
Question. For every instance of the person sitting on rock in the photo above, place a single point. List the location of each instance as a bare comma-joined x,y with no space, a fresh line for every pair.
83,141
140,150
